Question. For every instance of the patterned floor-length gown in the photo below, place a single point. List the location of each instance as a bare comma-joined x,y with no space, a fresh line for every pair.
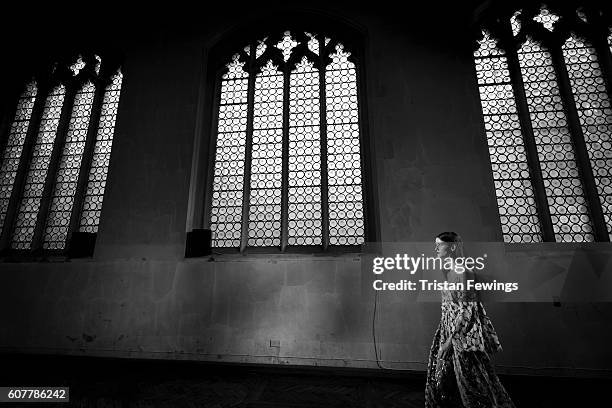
466,377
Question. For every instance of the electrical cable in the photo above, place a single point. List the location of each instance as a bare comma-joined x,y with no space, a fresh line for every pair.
378,360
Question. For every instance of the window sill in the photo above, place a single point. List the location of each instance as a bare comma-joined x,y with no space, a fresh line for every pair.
556,246
299,253
34,258
281,257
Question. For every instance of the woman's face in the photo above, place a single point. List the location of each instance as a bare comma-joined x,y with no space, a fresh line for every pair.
444,249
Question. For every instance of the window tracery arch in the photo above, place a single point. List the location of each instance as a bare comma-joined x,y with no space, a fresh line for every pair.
55,160
553,176
288,154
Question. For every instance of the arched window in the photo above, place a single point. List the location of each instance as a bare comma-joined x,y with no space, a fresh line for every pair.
56,155
288,153
544,80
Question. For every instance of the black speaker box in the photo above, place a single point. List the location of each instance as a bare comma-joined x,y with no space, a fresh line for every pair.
82,244
198,243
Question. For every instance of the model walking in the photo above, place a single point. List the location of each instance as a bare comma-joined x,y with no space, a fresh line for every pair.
459,370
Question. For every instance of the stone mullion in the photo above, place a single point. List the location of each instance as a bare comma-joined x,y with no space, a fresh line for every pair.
285,161
323,137
246,187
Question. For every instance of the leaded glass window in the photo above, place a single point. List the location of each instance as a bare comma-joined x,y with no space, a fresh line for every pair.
593,106
58,219
55,162
511,174
14,147
98,170
288,159
555,146
33,189
546,105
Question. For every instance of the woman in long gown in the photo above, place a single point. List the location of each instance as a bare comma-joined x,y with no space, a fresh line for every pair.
459,371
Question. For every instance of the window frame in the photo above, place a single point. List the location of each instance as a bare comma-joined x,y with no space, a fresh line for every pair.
48,75
215,57
596,31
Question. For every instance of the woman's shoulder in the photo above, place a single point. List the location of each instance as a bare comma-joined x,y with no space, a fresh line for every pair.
461,274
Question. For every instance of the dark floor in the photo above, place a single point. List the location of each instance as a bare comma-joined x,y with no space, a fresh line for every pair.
122,383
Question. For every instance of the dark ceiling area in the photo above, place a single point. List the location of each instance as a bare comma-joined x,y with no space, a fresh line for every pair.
31,32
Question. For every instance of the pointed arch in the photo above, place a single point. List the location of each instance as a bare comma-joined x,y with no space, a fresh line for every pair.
293,174
559,73
51,151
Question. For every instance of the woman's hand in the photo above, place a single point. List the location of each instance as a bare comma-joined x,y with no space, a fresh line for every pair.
445,350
